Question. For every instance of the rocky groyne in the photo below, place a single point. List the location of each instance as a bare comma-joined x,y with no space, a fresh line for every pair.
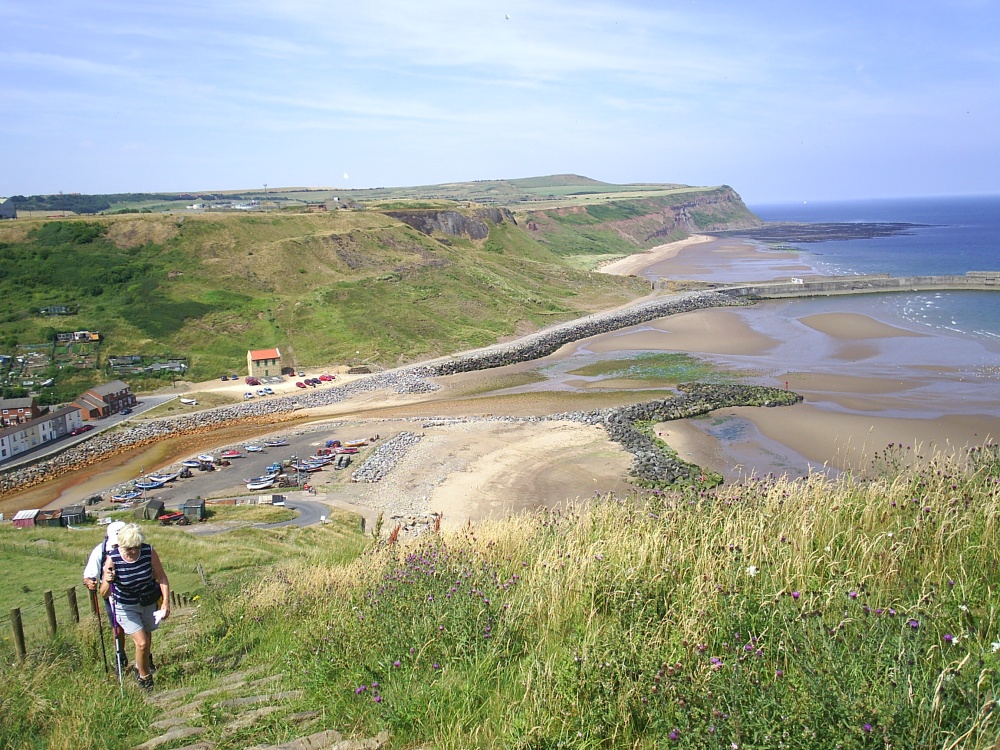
405,380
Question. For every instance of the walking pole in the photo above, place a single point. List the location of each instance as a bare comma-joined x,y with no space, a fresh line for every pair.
114,627
100,629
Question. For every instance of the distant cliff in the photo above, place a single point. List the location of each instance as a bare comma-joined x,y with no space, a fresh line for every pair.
647,222
474,224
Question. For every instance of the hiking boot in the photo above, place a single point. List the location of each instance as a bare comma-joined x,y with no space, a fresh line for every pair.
144,683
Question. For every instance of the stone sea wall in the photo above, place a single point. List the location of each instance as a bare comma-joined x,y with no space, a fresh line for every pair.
409,379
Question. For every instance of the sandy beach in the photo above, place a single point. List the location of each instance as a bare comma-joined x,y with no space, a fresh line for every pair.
866,384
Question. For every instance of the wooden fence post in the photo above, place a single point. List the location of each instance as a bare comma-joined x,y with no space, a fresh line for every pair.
93,601
15,622
74,611
50,612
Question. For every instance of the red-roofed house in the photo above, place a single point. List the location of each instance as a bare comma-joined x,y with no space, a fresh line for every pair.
106,399
262,363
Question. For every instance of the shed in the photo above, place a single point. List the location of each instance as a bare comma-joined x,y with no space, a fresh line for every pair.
25,518
148,511
49,517
74,515
194,510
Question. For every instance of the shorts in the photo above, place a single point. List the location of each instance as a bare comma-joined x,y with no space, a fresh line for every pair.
134,617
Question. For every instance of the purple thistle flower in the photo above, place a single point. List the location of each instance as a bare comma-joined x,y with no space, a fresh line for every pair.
396,663
435,666
867,728
779,673
796,595
360,690
853,594
949,638
913,623
377,699
674,735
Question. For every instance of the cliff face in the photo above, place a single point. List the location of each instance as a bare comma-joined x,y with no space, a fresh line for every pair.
474,224
647,222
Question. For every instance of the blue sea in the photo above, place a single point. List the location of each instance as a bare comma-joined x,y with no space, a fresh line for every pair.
961,234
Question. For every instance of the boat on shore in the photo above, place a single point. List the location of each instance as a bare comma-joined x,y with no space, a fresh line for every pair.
253,449
354,443
191,463
148,484
189,401
205,458
260,483
162,478
125,496
275,442
231,454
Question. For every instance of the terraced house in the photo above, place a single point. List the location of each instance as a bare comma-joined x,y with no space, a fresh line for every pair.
18,411
104,400
21,438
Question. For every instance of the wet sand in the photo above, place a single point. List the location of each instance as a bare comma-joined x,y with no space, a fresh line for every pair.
866,383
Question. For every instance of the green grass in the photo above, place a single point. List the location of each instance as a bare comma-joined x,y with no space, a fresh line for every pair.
807,614
670,367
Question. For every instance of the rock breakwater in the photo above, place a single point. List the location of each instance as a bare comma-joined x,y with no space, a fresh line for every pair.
411,379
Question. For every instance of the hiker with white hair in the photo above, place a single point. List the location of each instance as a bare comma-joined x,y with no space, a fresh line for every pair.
91,579
135,578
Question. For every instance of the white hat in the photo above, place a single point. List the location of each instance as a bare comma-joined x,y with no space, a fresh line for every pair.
113,528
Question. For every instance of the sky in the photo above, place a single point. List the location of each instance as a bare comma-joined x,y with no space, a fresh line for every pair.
783,100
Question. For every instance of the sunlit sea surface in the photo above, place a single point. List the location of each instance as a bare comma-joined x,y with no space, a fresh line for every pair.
960,235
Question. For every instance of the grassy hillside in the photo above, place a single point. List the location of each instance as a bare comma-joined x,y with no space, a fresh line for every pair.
322,287
340,287
797,614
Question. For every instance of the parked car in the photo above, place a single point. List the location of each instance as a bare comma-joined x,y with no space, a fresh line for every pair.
248,395
326,377
261,392
300,384
269,390
234,377
225,378
301,373
126,410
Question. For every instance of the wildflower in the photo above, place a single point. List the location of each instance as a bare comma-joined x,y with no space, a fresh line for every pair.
963,607
377,699
867,728
853,594
396,663
779,673
949,638
913,623
796,595
995,646
360,690
752,571
435,666
674,735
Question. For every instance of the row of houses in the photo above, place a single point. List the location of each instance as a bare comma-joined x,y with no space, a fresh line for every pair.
25,428
71,515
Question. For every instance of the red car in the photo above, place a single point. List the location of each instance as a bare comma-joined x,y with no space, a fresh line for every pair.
300,384
326,378
252,381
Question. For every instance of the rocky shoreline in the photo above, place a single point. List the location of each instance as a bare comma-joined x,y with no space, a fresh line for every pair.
405,380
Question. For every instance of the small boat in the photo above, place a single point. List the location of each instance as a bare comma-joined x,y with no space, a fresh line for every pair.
275,442
205,458
321,460
162,478
273,470
253,449
260,483
306,467
191,463
231,454
355,443
346,450
124,496
189,401
148,484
